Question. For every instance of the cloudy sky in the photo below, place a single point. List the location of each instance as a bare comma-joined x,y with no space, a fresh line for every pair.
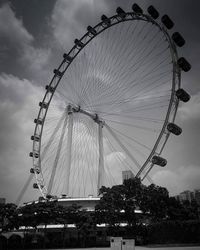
33,36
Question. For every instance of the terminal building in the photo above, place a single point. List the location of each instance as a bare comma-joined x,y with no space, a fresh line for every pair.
69,235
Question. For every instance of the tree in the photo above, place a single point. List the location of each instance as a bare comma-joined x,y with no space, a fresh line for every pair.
133,194
154,200
109,208
35,214
175,209
7,212
40,213
119,202
83,220
85,224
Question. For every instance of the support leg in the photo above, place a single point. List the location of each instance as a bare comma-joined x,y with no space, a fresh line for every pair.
101,159
49,189
69,151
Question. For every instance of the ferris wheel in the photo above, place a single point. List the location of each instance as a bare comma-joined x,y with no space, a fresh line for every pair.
110,106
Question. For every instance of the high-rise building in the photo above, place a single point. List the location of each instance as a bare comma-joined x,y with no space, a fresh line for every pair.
127,174
186,196
197,195
2,200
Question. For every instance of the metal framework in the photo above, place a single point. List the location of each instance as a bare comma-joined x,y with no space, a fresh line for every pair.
68,119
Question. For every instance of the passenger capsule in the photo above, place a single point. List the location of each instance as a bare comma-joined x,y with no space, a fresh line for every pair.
37,170
35,185
36,155
174,129
49,196
38,121
121,12
105,20
184,64
178,39
43,105
182,95
153,12
41,198
169,24
157,160
57,73
67,57
32,171
136,8
35,138
78,43
49,88
91,30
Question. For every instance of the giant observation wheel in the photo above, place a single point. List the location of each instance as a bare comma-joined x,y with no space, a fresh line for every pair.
110,105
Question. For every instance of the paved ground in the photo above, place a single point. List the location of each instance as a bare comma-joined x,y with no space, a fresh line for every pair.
141,248
167,248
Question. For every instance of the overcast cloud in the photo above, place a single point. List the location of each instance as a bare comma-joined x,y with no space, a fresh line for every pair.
31,46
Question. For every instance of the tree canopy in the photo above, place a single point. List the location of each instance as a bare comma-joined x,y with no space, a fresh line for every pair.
119,204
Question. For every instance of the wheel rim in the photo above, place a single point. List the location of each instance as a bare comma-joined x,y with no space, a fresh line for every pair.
88,89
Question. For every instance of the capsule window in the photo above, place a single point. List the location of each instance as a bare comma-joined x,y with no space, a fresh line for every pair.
67,57
174,129
169,24
35,138
35,185
43,105
78,43
136,8
182,95
38,121
105,20
91,30
31,154
50,88
57,72
121,12
178,39
184,64
153,12
157,160
32,171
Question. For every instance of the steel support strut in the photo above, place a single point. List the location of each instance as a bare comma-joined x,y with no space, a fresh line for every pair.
69,148
125,149
100,123
49,189
101,159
